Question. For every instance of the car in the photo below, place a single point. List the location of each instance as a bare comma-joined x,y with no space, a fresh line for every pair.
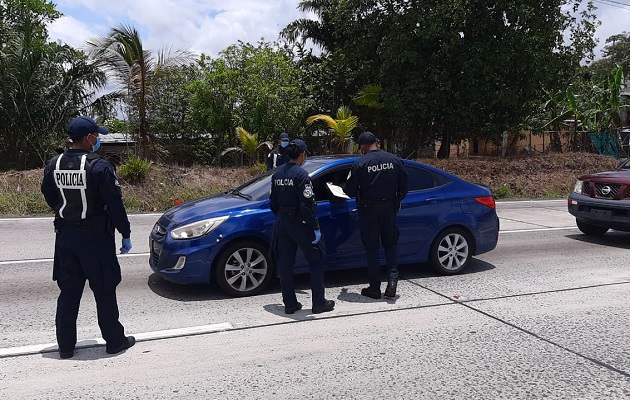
601,201
225,238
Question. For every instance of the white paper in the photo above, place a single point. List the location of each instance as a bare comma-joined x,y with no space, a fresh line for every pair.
337,191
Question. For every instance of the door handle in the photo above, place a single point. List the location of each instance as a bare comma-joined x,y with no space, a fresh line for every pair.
434,199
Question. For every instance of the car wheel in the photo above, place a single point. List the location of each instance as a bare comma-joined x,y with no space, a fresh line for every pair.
243,269
451,251
589,229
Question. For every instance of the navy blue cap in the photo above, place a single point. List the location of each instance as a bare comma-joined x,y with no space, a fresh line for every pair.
284,136
366,138
299,144
83,126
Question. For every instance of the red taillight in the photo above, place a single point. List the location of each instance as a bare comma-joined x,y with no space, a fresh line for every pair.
487,201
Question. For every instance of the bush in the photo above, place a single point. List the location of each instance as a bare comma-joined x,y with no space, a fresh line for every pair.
134,170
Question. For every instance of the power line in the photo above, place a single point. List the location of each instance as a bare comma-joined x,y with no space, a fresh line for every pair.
612,3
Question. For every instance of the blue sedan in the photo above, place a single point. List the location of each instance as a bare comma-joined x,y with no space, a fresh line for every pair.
225,238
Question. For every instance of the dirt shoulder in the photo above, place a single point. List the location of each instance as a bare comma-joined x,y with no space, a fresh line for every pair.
546,176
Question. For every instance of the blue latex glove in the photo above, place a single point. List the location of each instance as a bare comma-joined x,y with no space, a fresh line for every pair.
126,246
318,236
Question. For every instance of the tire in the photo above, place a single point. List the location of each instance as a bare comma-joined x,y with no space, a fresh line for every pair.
450,252
591,230
243,269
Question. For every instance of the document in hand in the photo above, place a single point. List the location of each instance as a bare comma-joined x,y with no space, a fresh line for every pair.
337,191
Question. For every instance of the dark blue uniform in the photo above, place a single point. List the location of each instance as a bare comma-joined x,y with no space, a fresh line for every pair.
293,203
83,191
379,182
276,158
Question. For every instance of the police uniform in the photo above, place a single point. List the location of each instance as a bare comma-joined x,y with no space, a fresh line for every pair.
83,190
379,182
293,203
278,156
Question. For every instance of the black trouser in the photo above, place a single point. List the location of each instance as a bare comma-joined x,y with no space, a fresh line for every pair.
291,233
83,254
378,226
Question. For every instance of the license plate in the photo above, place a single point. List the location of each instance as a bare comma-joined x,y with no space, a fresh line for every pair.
601,214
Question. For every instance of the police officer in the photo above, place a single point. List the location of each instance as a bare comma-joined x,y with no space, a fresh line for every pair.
278,156
379,182
293,203
83,190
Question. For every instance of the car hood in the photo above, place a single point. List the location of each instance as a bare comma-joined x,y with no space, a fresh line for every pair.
609,176
206,207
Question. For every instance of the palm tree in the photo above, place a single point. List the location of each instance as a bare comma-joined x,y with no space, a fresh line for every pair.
340,128
249,145
321,32
122,55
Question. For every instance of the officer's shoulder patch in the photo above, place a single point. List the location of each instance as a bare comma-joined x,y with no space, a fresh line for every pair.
308,191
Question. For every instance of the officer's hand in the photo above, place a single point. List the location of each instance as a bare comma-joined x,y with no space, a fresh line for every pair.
126,246
318,236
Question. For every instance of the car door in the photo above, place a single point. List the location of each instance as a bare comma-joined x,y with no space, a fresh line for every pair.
425,205
338,219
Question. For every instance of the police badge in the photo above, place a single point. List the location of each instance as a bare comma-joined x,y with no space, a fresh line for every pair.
308,191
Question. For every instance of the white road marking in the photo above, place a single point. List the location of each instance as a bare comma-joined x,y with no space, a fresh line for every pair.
48,218
140,337
45,260
538,229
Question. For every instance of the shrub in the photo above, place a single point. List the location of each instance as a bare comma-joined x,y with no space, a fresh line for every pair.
134,170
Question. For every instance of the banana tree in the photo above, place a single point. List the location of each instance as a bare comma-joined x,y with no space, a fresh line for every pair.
341,127
249,145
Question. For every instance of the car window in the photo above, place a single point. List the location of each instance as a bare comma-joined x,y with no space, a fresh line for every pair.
423,179
336,176
259,188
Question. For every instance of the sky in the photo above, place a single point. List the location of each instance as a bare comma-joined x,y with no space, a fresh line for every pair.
209,26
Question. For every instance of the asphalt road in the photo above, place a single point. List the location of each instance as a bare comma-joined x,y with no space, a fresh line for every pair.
545,315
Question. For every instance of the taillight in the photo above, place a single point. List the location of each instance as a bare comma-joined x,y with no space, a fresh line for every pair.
487,201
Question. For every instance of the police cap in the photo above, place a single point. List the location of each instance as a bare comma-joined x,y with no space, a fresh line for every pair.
366,138
83,126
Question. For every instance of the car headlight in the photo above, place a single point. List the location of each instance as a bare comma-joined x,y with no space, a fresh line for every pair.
578,187
197,229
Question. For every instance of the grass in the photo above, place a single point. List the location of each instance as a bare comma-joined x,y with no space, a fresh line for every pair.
533,177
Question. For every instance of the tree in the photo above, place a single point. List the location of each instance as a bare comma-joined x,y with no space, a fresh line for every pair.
254,86
249,145
615,53
135,69
44,84
340,127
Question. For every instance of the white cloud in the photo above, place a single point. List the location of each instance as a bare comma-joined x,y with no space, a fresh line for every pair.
209,26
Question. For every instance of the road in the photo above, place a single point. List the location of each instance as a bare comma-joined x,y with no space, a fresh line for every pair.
544,315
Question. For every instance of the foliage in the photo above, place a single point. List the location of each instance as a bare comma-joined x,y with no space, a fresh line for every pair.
117,125
134,170
249,145
134,68
44,84
616,52
451,69
340,127
252,86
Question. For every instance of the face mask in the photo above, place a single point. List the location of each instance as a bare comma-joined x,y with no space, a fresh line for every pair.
284,144
96,145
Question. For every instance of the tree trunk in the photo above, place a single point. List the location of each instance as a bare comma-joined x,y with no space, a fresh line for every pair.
445,146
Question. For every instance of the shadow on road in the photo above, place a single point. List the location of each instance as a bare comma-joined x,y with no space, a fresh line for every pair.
336,281
620,240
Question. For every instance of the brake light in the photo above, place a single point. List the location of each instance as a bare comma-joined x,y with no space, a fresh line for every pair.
487,201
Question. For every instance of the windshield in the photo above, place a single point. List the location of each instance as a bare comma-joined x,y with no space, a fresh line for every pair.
259,187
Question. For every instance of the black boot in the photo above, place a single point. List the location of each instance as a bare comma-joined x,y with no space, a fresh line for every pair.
390,291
